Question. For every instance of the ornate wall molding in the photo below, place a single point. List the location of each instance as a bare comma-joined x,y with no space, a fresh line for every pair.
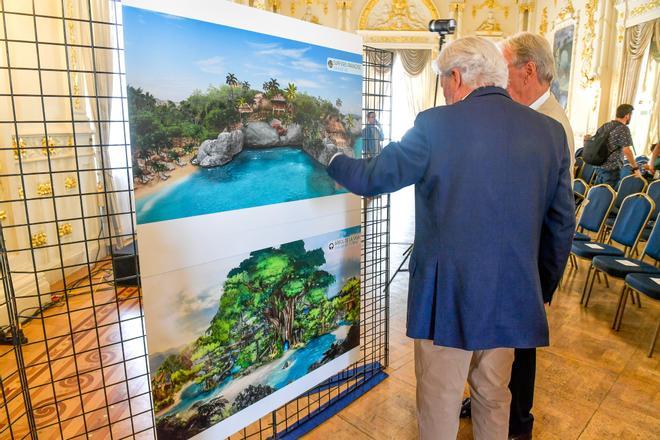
491,5
588,75
398,15
567,11
543,26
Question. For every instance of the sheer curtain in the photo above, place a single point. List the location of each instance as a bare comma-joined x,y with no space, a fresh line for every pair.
413,83
637,41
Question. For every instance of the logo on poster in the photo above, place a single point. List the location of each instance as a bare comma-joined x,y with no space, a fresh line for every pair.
343,66
342,243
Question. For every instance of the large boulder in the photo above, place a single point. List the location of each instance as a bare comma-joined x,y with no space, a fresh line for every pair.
260,134
217,152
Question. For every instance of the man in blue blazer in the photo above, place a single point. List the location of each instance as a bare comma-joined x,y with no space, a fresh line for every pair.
489,246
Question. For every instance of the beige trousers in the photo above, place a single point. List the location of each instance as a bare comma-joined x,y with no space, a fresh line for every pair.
441,373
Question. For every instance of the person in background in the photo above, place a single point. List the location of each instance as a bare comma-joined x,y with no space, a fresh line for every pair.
654,163
488,251
372,135
619,143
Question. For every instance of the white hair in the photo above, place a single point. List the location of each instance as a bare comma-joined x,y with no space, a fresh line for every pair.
526,47
479,61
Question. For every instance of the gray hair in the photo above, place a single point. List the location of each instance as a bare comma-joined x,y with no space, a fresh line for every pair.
526,47
478,60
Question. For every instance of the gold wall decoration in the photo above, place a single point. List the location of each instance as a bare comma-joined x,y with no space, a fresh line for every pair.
567,11
47,146
99,187
275,5
394,11
621,33
590,9
543,27
65,229
70,183
308,16
39,239
526,7
3,215
44,189
456,7
646,7
21,193
19,149
70,142
73,65
492,5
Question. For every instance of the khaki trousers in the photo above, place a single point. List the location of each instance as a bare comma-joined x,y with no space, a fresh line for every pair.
441,373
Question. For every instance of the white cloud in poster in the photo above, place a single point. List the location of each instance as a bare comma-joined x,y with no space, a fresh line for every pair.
307,65
214,65
283,52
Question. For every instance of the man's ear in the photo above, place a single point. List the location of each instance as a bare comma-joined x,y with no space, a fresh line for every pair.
456,76
530,69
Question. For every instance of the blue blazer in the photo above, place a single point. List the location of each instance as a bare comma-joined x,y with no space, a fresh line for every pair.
494,218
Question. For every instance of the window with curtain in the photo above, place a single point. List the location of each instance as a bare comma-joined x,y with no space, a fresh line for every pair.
640,82
413,83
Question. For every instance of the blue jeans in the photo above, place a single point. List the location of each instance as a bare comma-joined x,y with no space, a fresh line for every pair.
610,177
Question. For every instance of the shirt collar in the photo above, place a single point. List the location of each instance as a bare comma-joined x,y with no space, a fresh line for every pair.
539,102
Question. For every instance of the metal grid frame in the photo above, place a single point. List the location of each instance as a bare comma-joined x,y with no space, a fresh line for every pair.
85,381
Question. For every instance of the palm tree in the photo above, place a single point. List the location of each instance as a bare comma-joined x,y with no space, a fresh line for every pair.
245,85
350,121
338,103
232,82
271,87
291,91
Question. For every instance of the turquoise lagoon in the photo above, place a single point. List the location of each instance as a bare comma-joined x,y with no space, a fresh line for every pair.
253,178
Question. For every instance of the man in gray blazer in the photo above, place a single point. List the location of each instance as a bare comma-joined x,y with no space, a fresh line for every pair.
531,71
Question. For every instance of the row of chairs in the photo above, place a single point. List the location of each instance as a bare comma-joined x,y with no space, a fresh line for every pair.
588,172
636,214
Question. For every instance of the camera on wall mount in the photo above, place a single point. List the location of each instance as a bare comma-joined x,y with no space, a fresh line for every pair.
443,26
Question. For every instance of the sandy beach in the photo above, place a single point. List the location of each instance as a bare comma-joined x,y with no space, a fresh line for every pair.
258,376
180,173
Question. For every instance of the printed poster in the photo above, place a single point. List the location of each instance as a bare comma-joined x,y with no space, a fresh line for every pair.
249,252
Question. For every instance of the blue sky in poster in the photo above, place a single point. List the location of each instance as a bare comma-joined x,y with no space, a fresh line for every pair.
171,56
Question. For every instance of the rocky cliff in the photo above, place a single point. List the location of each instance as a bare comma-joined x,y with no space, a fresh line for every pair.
262,135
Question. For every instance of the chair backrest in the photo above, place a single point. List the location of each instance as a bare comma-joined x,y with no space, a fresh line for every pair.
642,159
577,168
653,191
599,203
629,185
588,173
633,215
652,248
580,187
626,171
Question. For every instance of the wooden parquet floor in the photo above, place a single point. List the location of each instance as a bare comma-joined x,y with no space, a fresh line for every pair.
592,382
